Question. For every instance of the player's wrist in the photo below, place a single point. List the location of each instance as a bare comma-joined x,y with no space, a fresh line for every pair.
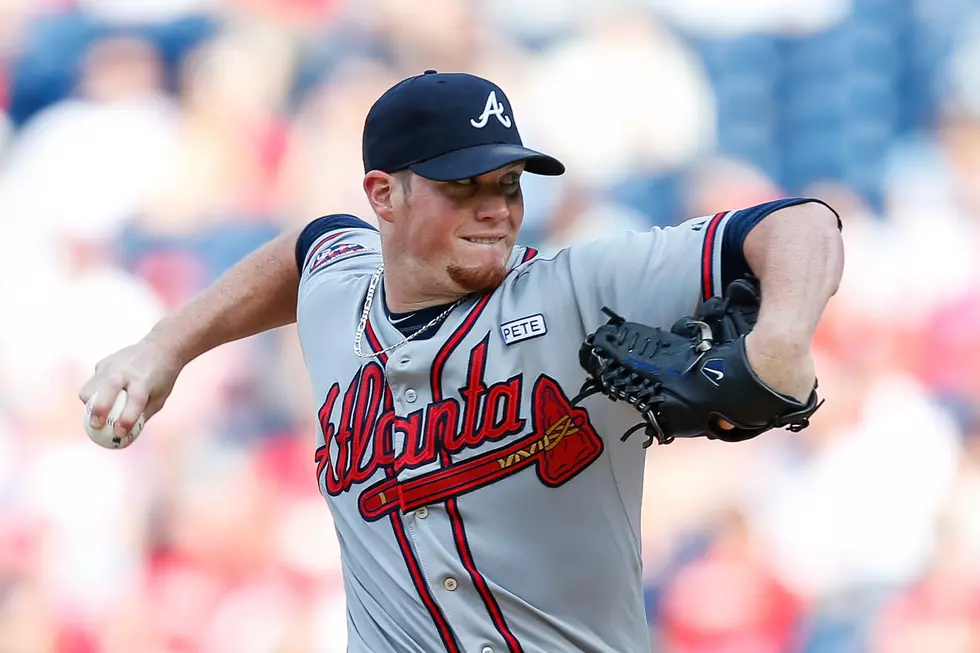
784,363
783,333
176,338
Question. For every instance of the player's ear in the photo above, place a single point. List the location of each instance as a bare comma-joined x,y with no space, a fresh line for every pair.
382,190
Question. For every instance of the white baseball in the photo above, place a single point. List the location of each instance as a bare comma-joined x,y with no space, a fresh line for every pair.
105,436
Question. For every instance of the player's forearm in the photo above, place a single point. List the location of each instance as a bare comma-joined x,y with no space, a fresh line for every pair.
798,255
256,294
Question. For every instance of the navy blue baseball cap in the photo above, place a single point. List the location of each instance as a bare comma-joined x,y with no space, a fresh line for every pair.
446,127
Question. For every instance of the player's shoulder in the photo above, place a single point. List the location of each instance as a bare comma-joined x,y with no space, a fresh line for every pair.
331,239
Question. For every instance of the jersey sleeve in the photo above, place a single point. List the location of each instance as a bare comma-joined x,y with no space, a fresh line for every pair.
663,274
733,264
654,276
335,244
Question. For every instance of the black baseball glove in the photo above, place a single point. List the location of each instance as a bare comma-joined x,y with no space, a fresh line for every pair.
685,380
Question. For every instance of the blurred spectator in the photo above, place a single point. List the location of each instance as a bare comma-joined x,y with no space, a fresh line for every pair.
726,183
26,622
939,612
578,216
963,504
728,599
71,306
445,36
88,163
718,19
638,92
846,514
322,169
217,202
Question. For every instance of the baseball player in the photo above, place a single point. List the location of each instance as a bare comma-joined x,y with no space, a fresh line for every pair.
479,509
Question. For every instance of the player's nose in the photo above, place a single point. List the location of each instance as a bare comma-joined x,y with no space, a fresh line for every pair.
493,208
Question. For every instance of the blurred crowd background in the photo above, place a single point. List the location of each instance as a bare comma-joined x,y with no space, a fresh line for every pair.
147,145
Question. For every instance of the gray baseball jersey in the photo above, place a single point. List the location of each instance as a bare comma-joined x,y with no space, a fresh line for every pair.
477,510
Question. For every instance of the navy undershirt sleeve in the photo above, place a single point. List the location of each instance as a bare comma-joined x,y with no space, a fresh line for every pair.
733,263
312,232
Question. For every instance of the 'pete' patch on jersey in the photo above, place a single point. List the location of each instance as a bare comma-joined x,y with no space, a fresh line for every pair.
532,326
336,252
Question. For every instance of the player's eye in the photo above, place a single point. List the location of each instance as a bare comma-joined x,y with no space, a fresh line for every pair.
459,188
511,183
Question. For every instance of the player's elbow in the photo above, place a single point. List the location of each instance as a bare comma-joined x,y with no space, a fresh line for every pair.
824,227
817,226
815,217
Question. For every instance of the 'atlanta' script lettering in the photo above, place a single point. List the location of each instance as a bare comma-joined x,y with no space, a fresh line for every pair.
363,435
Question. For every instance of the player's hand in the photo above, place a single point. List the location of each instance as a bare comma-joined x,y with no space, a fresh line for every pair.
147,371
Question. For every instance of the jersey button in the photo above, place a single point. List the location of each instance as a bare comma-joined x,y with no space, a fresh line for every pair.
422,512
449,584
410,395
486,649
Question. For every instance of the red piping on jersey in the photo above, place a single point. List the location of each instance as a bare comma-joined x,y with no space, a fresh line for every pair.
442,624
455,518
707,257
529,253
333,236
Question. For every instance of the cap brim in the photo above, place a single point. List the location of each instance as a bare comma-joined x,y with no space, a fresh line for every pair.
481,159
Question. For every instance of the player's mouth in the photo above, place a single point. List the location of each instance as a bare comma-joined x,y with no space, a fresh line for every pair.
484,241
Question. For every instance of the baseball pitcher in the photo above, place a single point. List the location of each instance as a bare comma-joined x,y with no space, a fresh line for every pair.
477,398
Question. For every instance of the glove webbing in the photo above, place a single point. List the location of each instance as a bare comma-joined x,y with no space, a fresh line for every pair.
620,383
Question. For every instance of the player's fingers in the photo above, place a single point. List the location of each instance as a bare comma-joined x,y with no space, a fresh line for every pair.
92,385
725,425
102,398
137,397
87,390
153,406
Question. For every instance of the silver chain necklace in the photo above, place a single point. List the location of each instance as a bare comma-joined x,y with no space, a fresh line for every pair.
369,300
